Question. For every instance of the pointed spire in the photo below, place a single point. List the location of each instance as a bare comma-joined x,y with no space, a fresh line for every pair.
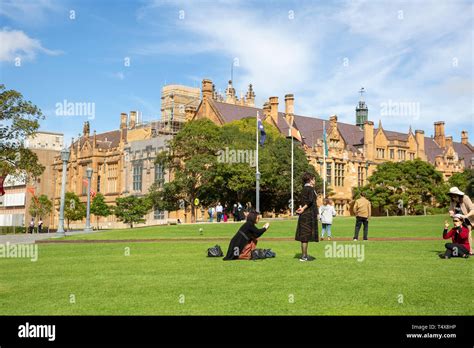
380,124
409,130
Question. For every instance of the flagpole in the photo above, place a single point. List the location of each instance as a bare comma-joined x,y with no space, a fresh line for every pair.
324,160
257,173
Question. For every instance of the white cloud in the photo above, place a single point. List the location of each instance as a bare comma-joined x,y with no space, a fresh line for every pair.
28,12
16,44
399,51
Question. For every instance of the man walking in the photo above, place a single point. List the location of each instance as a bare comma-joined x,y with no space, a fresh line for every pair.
362,211
219,211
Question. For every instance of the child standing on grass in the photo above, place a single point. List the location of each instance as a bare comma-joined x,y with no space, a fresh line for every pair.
326,214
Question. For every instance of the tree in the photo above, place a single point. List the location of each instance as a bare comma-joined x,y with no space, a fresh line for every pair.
40,206
192,159
19,119
416,183
74,210
195,158
464,181
132,209
99,207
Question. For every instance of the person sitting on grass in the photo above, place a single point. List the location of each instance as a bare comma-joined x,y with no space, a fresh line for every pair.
459,235
245,240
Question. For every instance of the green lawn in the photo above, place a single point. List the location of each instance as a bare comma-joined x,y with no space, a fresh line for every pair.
156,275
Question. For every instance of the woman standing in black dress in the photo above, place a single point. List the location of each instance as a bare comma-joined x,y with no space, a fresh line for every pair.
307,229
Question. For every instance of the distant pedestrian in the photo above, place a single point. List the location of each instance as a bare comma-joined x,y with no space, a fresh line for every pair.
219,211
210,211
326,213
307,228
240,212
234,212
362,211
32,226
40,225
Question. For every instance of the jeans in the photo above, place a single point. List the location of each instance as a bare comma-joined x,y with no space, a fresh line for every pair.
359,222
455,250
326,227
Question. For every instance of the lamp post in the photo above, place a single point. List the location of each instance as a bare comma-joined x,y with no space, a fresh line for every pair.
88,216
65,153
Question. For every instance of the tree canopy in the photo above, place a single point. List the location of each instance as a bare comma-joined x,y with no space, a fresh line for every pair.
19,119
415,183
214,164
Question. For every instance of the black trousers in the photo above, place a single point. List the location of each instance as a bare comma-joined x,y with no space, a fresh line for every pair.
359,222
455,250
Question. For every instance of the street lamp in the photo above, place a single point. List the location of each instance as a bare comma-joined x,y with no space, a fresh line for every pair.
65,153
88,216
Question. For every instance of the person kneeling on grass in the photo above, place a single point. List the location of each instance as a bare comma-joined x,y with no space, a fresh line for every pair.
459,235
245,240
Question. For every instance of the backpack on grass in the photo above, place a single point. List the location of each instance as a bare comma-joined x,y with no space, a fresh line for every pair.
215,251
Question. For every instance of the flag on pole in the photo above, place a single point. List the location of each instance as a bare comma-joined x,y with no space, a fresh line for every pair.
263,135
324,140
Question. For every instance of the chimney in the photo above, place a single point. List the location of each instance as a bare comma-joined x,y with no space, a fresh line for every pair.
266,111
133,119
123,120
333,121
274,109
289,108
449,141
189,112
369,140
439,134
206,89
420,141
464,138
250,96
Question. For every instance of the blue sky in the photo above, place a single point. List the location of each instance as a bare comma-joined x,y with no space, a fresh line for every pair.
415,56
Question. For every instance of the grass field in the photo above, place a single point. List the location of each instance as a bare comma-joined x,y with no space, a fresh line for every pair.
174,277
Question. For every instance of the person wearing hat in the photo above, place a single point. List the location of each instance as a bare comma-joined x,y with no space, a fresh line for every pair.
459,235
461,204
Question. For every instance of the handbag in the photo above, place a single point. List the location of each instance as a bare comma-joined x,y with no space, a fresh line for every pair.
215,251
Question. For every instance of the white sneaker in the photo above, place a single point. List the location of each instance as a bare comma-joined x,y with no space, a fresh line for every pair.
355,240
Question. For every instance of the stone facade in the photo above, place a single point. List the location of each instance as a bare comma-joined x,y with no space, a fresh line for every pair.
354,151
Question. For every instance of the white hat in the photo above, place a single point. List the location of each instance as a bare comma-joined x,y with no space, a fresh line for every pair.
455,191
458,216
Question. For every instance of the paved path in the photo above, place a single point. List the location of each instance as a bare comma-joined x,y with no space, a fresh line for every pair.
27,238
216,239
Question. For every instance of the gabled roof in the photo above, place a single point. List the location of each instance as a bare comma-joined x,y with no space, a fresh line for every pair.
391,135
432,149
232,112
107,140
311,128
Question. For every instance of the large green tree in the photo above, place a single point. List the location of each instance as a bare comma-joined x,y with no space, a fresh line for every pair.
218,164
132,209
192,160
74,210
464,181
40,206
416,183
19,119
99,208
